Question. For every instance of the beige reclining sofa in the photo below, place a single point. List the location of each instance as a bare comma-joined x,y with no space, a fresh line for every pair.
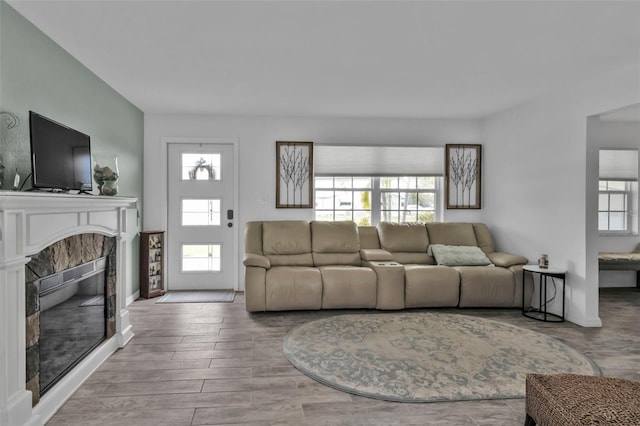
300,265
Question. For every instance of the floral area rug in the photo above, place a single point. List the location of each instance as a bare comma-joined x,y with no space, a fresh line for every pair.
427,357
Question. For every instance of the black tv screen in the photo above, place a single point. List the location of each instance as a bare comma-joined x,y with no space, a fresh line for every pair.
60,156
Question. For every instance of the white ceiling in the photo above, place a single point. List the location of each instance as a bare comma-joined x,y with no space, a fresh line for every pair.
462,59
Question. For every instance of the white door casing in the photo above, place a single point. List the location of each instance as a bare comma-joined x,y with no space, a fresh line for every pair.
201,217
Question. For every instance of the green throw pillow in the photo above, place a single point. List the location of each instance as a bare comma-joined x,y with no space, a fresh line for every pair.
458,255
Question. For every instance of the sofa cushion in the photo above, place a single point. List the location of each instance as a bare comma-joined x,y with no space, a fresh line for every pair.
251,259
458,255
334,237
403,237
368,237
286,237
253,238
322,259
335,243
484,238
407,242
506,259
413,258
375,254
452,234
287,242
348,287
431,286
293,287
486,287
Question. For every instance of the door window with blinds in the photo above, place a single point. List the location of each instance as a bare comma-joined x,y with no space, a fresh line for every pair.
618,191
200,212
372,184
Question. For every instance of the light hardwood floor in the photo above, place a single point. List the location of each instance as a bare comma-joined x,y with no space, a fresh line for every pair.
212,364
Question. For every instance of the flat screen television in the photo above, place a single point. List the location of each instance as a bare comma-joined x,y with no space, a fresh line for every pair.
60,156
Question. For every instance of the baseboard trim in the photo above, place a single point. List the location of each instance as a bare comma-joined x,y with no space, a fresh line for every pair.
586,322
132,298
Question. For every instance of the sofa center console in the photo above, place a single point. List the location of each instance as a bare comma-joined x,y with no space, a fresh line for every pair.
390,291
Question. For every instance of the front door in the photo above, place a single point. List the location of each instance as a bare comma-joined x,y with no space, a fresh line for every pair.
200,235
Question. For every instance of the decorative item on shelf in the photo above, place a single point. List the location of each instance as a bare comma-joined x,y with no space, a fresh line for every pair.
105,173
543,262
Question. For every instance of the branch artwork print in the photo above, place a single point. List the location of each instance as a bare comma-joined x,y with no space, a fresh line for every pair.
464,172
294,173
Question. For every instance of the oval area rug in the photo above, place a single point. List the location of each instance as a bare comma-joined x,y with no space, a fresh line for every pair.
427,356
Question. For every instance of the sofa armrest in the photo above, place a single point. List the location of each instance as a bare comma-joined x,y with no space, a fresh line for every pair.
251,259
375,255
506,259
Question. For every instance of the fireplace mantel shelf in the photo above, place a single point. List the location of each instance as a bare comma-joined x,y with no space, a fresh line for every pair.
29,222
54,200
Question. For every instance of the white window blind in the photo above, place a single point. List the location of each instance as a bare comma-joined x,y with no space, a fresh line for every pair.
334,160
619,164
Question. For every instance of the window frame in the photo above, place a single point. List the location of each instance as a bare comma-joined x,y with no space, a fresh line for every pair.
628,202
376,191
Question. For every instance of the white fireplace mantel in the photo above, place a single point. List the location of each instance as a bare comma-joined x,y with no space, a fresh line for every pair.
30,222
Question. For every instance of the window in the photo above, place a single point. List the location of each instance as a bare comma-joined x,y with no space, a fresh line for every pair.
198,212
618,191
201,257
614,199
370,200
201,166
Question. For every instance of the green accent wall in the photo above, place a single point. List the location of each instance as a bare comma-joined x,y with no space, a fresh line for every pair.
37,74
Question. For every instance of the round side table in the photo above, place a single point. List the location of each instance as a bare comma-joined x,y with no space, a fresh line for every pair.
540,313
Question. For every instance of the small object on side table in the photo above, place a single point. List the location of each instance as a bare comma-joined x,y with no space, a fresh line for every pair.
541,313
543,262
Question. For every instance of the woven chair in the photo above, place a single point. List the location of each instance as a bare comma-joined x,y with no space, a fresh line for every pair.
571,399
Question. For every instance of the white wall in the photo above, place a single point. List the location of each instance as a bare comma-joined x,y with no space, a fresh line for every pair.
256,146
607,135
541,181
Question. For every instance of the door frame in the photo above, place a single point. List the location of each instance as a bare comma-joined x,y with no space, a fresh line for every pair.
164,191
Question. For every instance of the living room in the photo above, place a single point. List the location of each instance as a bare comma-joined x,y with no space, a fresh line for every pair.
539,171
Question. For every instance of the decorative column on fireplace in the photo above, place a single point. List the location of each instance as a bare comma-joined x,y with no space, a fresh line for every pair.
33,223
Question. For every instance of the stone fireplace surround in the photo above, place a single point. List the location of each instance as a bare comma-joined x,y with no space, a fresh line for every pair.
75,251
29,223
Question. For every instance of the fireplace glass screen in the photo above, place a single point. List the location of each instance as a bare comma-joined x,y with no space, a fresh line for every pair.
72,318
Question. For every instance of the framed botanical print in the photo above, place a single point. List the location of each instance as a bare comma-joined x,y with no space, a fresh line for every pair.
463,180
294,175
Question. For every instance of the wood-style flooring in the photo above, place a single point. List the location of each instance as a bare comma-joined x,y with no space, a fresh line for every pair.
215,364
